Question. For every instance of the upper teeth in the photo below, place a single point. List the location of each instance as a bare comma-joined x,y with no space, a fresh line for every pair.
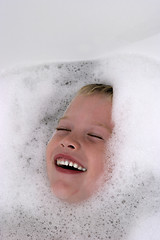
61,162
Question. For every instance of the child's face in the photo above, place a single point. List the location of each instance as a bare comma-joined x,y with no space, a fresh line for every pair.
80,140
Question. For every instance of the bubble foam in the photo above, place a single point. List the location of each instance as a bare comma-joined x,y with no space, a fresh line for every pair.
32,99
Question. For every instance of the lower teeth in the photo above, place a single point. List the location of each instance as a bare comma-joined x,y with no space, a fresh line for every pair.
70,168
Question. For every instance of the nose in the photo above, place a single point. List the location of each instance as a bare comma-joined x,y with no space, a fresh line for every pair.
70,142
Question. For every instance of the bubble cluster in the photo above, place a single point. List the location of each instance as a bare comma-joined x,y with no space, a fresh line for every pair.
32,100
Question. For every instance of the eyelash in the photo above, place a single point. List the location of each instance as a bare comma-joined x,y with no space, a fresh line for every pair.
63,129
92,135
89,134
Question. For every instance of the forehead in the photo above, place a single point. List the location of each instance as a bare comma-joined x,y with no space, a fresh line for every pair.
91,108
93,102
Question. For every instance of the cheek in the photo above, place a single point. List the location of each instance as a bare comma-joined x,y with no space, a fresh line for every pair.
51,145
48,157
97,161
48,150
95,178
49,162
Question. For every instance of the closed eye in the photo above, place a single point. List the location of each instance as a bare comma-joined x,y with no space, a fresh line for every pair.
63,129
95,136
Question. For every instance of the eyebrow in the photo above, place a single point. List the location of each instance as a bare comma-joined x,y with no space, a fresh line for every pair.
62,118
94,123
103,125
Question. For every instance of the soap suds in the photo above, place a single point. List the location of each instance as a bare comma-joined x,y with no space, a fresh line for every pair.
32,100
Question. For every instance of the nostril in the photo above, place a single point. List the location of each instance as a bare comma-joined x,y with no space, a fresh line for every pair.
71,146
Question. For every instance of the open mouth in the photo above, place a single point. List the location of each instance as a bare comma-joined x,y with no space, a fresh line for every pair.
69,165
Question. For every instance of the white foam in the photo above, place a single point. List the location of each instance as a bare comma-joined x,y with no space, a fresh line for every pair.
32,100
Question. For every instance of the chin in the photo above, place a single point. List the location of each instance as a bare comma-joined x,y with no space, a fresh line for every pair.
68,195
64,192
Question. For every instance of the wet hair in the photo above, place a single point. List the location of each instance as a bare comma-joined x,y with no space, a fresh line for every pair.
96,88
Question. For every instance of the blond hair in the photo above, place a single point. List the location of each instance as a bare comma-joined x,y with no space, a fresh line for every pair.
96,88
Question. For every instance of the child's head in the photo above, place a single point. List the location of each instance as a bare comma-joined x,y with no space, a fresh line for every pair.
76,152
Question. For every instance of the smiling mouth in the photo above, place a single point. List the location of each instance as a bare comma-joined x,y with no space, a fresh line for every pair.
69,165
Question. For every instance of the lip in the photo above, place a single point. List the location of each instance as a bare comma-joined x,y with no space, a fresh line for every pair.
67,157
